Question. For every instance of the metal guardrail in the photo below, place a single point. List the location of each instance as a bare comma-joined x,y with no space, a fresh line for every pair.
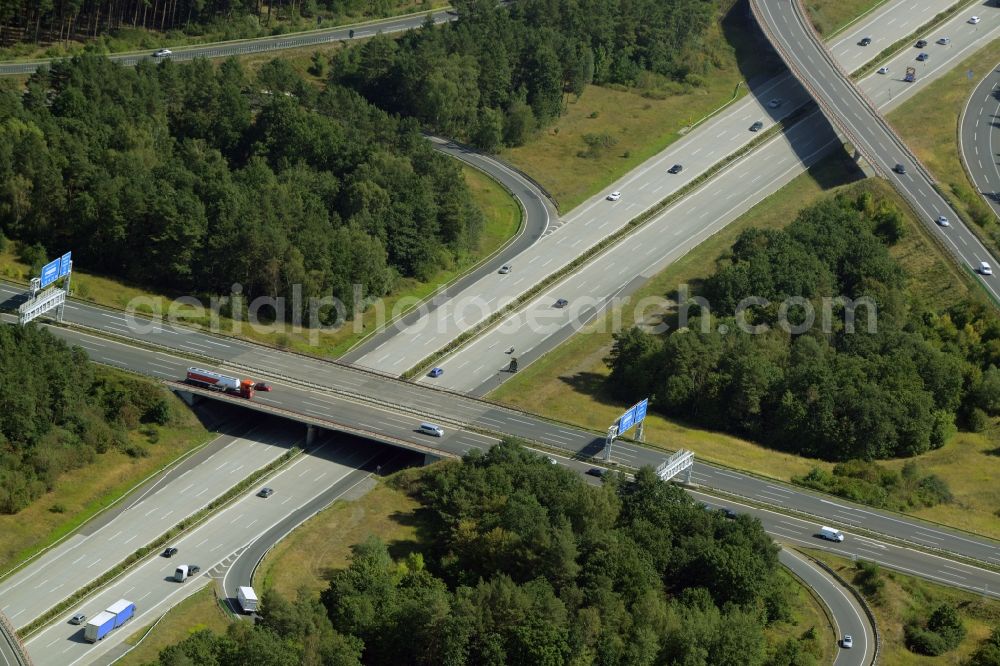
16,646
861,600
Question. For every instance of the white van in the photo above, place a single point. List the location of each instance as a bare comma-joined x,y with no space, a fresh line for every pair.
431,429
831,534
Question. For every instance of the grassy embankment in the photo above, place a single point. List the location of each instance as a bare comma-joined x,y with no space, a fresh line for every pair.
503,218
830,17
904,597
82,493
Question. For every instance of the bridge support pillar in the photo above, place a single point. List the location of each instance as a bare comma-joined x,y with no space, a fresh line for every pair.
310,434
189,398
430,459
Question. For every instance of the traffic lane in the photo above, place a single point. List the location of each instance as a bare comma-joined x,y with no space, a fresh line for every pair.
9,652
150,585
385,461
87,555
538,214
800,532
889,90
258,45
481,365
979,142
886,26
873,137
848,616
450,408
588,225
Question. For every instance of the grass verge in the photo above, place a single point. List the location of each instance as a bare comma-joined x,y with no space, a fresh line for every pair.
831,16
637,123
503,219
199,611
904,598
322,544
81,494
806,613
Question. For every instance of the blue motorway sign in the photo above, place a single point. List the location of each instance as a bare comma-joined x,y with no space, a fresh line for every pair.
626,421
50,273
634,415
65,264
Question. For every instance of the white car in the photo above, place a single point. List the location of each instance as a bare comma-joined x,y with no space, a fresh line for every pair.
847,642
985,269
162,53
974,20
943,41
943,221
505,269
883,70
614,196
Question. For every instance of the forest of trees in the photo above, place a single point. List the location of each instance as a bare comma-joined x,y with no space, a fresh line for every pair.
192,178
59,412
43,21
522,563
898,391
497,73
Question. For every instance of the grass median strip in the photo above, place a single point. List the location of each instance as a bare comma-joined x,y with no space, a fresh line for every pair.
611,240
157,543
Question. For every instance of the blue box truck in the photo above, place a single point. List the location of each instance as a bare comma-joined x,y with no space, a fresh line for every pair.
115,616
99,626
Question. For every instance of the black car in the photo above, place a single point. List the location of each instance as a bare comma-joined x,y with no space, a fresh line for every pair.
597,471
265,492
677,168
921,43
899,168
193,569
561,303
170,552
728,513
756,127
865,41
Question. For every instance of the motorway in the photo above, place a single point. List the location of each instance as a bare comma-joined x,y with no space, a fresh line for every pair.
384,407
715,204
855,115
537,327
258,45
149,584
100,545
979,142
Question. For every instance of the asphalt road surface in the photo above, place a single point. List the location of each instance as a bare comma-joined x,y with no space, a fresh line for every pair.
150,586
385,407
641,189
848,616
980,140
258,45
855,115
100,545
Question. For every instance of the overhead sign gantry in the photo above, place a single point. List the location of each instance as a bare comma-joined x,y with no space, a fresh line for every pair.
42,296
